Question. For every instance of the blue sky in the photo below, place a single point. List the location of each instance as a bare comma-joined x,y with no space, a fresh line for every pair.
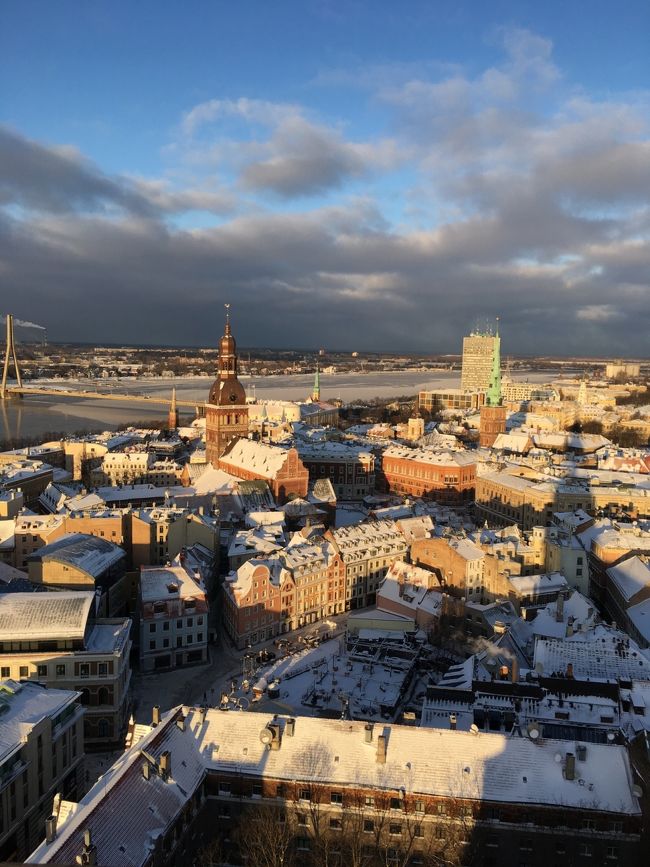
341,172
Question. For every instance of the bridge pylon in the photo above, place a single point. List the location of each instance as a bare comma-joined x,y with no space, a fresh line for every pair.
10,355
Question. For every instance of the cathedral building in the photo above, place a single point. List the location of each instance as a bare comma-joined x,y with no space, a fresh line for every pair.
226,411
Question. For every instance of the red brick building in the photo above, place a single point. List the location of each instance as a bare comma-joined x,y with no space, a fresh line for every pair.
303,584
285,473
448,477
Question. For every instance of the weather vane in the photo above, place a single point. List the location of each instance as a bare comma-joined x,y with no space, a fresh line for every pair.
227,306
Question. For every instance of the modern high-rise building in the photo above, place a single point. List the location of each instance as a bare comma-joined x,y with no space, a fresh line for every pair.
478,354
493,414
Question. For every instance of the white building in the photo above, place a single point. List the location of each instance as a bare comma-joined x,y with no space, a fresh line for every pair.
173,618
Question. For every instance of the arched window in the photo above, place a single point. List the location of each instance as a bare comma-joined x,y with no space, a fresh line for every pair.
103,696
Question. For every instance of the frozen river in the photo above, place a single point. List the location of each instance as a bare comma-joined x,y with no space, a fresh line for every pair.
36,416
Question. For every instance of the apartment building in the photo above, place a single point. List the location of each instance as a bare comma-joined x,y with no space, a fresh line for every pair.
173,608
135,468
350,469
502,497
459,564
361,793
41,755
478,356
55,639
158,534
367,550
301,584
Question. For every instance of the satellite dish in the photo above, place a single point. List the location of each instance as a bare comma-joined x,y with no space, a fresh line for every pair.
266,736
474,729
610,736
533,731
558,758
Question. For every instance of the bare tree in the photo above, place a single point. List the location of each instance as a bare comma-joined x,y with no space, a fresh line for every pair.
266,837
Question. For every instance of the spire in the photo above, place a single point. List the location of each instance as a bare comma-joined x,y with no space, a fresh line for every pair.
172,418
227,306
494,388
315,395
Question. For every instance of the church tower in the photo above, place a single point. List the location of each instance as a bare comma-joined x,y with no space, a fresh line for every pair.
172,418
226,411
493,414
315,395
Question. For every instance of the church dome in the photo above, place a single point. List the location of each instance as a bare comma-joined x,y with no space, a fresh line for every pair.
227,392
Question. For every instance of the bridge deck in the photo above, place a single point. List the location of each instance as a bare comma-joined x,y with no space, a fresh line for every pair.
98,395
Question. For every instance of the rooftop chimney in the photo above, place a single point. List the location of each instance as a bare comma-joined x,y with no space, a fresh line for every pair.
165,765
180,722
146,769
290,727
155,719
452,721
514,670
50,829
559,608
570,767
382,746
367,733
88,854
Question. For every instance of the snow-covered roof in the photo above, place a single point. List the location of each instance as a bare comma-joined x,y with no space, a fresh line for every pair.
431,456
42,616
489,767
88,553
108,636
639,614
606,655
265,460
161,583
631,576
126,811
420,527
23,706
412,588
577,610
534,585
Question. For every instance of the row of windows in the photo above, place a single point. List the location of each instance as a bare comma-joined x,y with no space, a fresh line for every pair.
153,627
60,670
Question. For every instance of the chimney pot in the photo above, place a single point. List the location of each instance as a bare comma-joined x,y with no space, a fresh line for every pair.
367,733
381,749
155,719
165,765
290,728
50,829
570,767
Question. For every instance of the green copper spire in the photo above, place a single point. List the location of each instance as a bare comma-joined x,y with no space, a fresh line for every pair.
494,388
315,395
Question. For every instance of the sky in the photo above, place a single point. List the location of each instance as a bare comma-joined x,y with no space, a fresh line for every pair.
356,175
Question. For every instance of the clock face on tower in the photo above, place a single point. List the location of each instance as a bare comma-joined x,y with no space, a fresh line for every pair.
232,397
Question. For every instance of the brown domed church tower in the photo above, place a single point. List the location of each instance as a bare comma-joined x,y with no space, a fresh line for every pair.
226,412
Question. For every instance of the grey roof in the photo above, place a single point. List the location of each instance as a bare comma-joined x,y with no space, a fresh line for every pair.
89,553
34,616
